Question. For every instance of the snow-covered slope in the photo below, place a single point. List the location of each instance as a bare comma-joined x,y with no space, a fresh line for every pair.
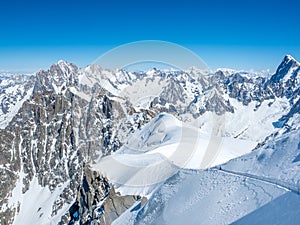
208,197
160,149
259,188
36,202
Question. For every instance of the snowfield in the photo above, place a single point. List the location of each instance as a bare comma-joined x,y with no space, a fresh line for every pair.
36,204
161,148
261,187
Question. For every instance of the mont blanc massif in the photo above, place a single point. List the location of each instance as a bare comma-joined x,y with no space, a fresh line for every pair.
98,146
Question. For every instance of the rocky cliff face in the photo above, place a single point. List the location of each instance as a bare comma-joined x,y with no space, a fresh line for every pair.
52,136
53,124
14,90
97,202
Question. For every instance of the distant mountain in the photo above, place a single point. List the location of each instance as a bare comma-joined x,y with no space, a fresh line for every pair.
14,90
62,131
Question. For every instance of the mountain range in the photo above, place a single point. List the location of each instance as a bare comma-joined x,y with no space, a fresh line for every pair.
98,146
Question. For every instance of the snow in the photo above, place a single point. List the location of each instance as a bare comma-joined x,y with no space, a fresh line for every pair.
283,210
128,216
160,149
6,118
294,66
246,120
36,204
205,197
80,94
162,162
170,161
142,90
258,188
276,162
232,148
17,192
94,75
86,80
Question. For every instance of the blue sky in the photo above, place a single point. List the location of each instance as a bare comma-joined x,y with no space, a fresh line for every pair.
237,34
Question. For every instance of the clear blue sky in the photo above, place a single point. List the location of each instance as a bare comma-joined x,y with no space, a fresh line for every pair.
238,34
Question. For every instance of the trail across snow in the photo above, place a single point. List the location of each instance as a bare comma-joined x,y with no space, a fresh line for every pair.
261,187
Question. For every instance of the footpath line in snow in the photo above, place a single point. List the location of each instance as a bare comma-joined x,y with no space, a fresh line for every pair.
288,187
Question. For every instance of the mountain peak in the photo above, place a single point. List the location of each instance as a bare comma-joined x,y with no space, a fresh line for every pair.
65,66
289,58
61,61
286,69
57,77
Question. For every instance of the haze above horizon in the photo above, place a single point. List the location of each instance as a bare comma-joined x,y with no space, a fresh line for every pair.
232,34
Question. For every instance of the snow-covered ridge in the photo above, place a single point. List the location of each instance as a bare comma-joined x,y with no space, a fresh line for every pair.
160,149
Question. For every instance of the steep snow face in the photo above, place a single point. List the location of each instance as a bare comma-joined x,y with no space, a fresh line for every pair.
36,204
